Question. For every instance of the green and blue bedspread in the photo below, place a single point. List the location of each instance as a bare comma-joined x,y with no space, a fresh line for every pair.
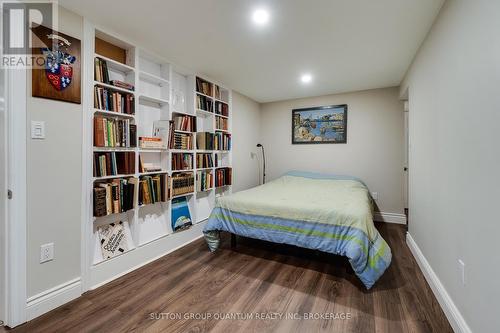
321,212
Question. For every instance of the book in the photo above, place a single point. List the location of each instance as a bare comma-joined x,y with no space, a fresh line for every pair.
222,141
107,99
184,123
182,161
204,180
115,196
113,239
110,132
204,160
221,108
203,86
182,183
181,218
205,141
153,189
223,177
221,123
113,163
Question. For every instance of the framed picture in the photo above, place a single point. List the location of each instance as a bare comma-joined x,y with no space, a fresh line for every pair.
322,124
60,76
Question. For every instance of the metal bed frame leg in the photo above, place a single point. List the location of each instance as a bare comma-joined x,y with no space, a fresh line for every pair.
233,240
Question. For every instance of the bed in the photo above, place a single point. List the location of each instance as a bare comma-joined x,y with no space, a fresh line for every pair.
321,212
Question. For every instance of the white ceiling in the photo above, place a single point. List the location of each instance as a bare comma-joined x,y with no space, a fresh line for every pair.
347,45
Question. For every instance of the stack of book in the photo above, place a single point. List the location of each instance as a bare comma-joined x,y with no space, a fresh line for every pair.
222,109
217,92
204,161
185,123
114,197
114,163
182,161
182,183
221,123
101,73
109,132
153,189
109,100
203,87
204,180
205,141
222,141
148,167
204,103
151,142
223,177
123,85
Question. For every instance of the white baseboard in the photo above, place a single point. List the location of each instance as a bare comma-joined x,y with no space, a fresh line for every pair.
53,298
454,316
389,217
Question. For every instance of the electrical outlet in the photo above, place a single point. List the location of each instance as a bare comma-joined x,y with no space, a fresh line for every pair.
46,252
374,195
461,268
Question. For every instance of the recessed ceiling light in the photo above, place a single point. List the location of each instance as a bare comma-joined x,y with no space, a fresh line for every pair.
306,78
260,16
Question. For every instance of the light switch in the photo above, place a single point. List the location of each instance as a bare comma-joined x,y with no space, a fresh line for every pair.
37,130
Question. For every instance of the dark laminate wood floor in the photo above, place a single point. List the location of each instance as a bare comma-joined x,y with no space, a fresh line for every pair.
255,278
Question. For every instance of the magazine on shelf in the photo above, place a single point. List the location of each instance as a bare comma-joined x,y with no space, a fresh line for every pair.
181,218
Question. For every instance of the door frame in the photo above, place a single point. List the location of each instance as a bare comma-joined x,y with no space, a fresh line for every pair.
15,222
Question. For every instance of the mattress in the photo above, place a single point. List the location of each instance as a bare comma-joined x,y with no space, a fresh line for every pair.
320,212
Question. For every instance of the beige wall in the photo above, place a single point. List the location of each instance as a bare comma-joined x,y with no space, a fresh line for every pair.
245,135
454,101
374,149
54,183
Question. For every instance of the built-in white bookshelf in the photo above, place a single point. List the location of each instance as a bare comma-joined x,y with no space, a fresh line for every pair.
161,92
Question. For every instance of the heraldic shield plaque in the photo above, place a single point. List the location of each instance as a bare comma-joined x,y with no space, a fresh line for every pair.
57,74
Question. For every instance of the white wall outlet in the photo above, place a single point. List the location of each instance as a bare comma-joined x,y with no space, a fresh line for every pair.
253,155
374,195
37,130
46,252
461,268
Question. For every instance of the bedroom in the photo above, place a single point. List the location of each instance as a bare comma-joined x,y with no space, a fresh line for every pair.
338,158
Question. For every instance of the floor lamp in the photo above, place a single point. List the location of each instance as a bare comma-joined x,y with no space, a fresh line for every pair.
264,160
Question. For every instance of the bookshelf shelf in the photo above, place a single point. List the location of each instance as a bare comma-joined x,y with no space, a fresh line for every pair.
182,150
182,195
114,114
112,87
182,170
162,93
207,96
183,113
153,79
151,99
113,64
113,177
185,132
111,149
148,173
221,130
153,150
204,113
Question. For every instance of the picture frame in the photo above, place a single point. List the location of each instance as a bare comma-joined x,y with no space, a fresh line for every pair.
320,125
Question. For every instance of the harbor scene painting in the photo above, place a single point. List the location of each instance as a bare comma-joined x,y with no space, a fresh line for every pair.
324,124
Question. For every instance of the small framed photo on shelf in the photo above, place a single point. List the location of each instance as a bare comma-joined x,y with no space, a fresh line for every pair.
322,124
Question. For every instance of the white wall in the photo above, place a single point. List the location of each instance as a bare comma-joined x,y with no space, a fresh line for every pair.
54,183
454,97
374,149
245,136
